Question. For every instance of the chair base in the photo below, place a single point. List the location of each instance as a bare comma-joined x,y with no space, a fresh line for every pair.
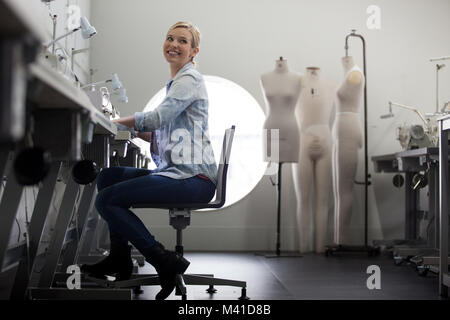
180,219
138,280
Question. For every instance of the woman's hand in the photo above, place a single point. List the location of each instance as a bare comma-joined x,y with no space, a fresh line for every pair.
130,123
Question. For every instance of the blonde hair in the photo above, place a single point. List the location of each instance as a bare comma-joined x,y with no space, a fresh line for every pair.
192,29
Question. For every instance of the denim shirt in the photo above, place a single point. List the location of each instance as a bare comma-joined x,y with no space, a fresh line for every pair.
179,126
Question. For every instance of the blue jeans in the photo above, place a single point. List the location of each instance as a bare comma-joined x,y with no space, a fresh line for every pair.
119,188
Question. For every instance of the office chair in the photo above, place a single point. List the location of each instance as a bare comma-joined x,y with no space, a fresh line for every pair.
180,216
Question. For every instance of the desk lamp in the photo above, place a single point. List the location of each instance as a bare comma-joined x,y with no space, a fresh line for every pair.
87,31
116,86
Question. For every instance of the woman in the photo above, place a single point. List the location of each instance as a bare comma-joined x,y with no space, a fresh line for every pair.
186,170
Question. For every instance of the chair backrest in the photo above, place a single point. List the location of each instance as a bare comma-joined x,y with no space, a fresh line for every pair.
223,169
221,187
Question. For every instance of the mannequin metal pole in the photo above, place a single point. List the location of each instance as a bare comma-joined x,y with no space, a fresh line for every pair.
279,210
278,244
366,162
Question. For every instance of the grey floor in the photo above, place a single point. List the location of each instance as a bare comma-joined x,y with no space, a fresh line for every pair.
312,276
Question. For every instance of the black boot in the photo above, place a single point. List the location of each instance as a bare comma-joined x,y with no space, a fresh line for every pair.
118,264
168,264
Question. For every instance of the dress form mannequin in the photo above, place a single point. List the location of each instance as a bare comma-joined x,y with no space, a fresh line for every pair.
312,174
281,89
347,138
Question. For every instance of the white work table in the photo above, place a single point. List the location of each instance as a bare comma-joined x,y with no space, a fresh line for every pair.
59,92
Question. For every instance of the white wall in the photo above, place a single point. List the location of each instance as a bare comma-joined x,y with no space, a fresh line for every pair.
240,41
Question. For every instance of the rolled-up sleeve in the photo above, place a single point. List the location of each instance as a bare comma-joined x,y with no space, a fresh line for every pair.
147,121
180,96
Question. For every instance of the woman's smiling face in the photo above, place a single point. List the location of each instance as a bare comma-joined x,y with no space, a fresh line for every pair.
178,47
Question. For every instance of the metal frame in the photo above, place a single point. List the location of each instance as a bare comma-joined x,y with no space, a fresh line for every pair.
78,241
37,225
411,162
84,207
444,276
4,156
59,234
69,243
9,204
366,166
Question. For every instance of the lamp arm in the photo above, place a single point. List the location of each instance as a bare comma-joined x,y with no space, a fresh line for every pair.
63,36
75,52
95,83
440,59
412,109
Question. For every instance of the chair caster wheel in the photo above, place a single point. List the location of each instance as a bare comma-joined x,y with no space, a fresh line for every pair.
422,271
244,295
398,261
141,264
211,289
138,290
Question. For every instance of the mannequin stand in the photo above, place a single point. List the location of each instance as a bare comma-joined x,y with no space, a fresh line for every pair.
359,248
278,253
